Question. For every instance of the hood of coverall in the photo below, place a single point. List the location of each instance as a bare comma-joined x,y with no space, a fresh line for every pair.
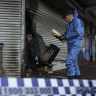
75,13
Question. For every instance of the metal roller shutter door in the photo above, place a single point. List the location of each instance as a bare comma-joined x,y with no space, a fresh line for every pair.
12,35
46,19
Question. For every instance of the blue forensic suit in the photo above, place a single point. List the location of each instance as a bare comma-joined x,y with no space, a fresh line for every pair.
74,36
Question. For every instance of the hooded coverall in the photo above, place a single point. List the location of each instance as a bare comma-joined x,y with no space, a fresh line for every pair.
74,36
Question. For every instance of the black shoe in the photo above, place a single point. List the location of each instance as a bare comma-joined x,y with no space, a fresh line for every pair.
77,76
71,77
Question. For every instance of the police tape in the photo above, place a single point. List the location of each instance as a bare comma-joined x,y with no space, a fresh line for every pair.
46,87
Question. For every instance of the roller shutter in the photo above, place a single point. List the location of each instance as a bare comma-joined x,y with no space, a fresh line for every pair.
46,19
12,35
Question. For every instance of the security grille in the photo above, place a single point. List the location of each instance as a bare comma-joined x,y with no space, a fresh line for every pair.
12,35
46,19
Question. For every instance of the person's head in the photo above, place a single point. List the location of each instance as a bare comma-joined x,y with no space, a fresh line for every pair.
68,15
29,37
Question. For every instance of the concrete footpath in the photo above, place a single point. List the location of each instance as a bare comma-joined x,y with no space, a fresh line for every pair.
88,71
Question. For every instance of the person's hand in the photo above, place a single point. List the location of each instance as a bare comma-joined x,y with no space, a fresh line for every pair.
36,58
57,37
62,39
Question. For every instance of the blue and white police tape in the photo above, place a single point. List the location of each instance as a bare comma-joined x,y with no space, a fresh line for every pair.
46,87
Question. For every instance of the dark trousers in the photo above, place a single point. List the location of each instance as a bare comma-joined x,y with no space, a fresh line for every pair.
30,62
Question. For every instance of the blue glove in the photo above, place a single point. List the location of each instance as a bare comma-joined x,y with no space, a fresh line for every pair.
62,38
36,58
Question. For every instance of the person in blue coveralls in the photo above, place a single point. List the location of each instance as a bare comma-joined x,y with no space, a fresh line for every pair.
32,51
74,36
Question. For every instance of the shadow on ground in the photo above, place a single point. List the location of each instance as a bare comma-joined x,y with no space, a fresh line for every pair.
88,71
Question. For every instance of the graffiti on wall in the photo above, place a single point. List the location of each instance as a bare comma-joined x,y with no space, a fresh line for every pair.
88,53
